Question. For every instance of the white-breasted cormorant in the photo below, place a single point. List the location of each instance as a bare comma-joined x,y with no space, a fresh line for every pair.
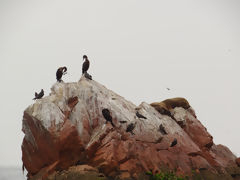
61,71
85,65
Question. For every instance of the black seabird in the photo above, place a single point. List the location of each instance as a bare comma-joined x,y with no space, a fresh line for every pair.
130,128
162,129
61,71
122,122
106,114
40,95
140,116
85,65
88,76
174,142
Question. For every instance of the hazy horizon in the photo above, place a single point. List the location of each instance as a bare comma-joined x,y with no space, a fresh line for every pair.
136,48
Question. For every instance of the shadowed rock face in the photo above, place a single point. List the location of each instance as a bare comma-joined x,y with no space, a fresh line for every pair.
67,129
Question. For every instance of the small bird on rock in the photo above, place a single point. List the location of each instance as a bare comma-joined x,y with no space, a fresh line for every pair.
85,65
39,96
174,142
106,114
140,116
130,128
61,71
162,129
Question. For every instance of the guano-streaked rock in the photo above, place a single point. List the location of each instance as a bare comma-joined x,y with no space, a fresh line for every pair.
67,129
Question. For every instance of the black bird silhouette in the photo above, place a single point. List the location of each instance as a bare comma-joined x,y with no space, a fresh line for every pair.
130,128
85,65
162,129
174,142
61,71
106,114
88,76
140,116
40,95
122,122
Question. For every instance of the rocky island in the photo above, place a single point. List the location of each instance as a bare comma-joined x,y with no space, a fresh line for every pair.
67,137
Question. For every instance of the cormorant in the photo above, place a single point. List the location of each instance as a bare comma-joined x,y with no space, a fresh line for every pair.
106,114
140,116
174,142
122,122
85,65
40,95
162,129
130,128
61,71
88,76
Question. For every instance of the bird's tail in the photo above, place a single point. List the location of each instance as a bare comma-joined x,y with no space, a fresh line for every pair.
112,124
23,168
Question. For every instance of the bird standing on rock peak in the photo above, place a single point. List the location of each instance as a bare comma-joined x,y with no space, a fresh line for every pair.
61,71
85,65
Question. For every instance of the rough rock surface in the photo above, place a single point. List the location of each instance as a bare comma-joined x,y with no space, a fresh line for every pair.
67,129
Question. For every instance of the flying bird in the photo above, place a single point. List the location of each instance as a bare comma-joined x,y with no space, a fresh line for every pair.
140,116
168,89
85,65
174,142
61,71
106,114
39,96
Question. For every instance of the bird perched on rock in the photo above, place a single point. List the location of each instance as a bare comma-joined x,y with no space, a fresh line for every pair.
106,114
162,130
140,116
85,65
130,128
122,122
61,71
88,76
39,95
174,142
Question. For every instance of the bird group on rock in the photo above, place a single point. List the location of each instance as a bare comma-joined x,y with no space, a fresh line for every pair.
105,112
63,70
130,127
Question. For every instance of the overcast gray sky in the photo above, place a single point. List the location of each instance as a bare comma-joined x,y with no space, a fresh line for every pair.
137,48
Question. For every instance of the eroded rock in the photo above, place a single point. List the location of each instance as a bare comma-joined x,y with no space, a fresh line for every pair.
67,129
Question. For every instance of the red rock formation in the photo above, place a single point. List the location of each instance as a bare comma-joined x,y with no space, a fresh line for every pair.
67,128
238,161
